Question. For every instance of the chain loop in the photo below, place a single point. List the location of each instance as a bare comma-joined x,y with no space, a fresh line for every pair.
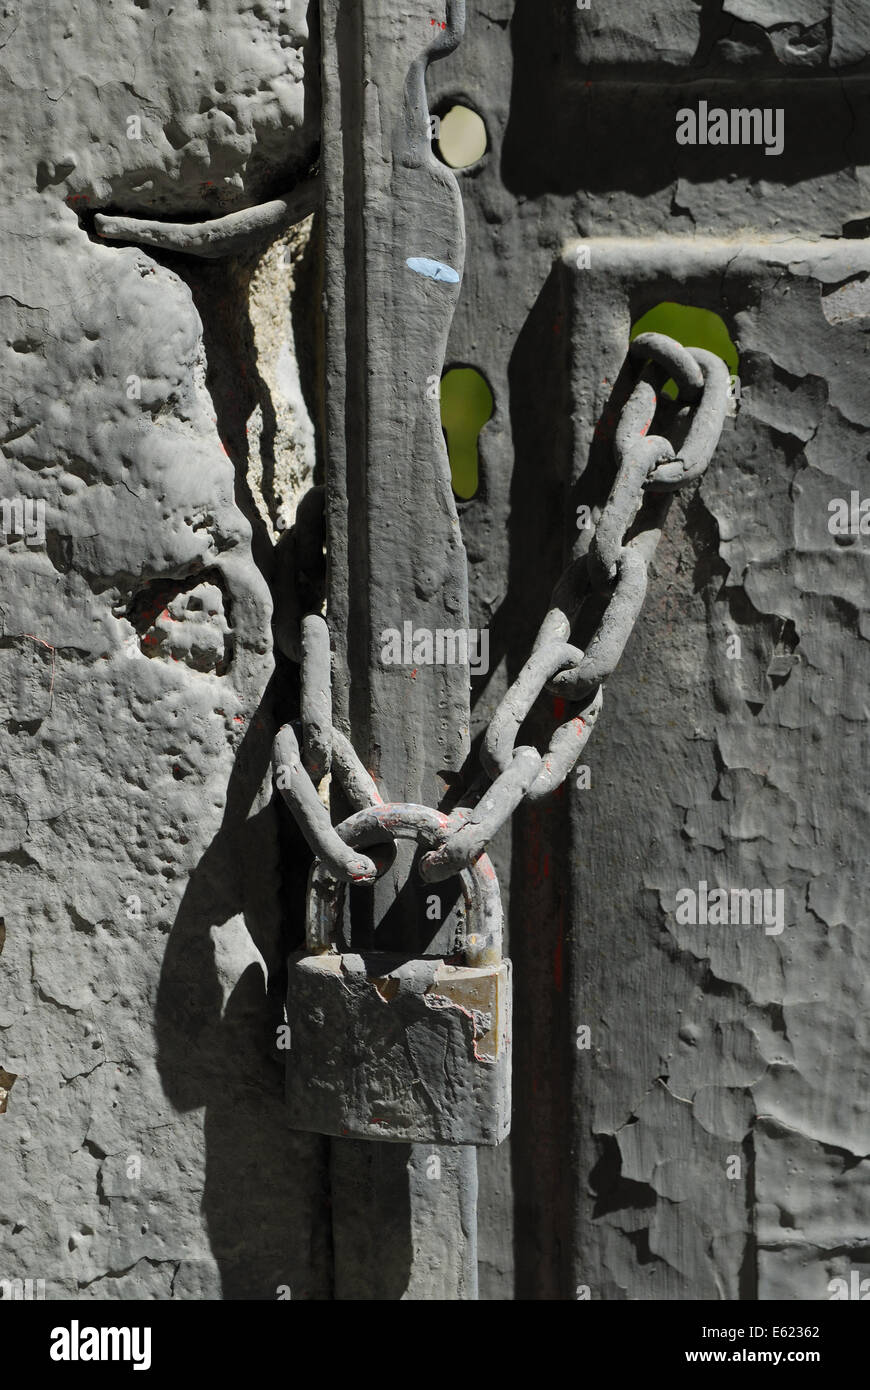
406,820
316,697
565,748
704,430
311,815
612,567
475,828
678,361
358,785
602,655
636,463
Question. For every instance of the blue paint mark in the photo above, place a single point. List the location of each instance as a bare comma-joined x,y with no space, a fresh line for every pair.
435,270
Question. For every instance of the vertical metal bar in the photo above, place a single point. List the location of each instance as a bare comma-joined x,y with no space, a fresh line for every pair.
404,1224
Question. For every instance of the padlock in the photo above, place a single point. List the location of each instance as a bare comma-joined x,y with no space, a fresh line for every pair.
383,1047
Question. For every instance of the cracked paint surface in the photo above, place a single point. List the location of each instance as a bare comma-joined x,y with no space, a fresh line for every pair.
707,1043
754,1041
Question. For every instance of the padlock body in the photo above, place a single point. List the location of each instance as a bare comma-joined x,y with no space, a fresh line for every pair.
390,1049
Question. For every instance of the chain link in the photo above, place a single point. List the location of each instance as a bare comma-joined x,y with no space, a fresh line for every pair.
310,813
613,568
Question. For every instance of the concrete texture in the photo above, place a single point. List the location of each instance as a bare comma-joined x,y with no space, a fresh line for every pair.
146,1151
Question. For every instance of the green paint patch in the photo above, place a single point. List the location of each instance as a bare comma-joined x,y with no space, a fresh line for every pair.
466,406
693,328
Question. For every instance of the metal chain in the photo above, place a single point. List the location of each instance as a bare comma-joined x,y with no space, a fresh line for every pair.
612,567
324,749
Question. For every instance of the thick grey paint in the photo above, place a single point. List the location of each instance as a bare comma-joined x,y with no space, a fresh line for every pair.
152,1037
699,765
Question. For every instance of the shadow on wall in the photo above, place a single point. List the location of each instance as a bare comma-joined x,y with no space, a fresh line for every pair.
540,415
264,1198
569,132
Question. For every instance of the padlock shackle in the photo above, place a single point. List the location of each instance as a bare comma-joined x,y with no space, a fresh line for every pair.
407,821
